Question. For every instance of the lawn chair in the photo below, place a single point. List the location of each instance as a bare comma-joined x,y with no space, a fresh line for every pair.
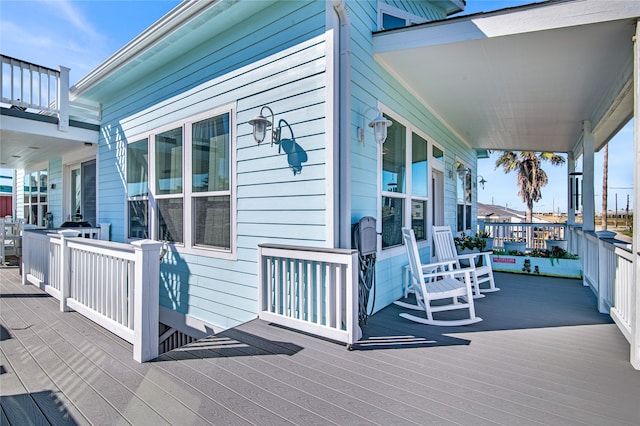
437,281
446,251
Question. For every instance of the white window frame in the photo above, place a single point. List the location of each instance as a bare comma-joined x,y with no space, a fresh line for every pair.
188,246
407,196
409,18
39,204
146,197
464,200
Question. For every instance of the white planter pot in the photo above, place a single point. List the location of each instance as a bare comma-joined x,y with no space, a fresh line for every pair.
563,244
519,246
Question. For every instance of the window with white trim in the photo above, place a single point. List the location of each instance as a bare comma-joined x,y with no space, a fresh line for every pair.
138,188
405,184
186,199
390,17
463,191
36,197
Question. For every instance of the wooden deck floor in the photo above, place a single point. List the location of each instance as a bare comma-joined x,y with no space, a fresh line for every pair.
542,355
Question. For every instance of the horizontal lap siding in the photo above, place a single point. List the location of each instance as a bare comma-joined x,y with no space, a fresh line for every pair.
370,84
54,196
274,58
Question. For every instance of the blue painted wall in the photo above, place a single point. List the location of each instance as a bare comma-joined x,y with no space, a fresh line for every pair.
276,57
372,84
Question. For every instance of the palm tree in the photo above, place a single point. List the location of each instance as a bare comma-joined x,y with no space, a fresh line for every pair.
531,177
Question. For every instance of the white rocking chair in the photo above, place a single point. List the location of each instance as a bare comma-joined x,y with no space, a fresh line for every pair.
437,281
446,251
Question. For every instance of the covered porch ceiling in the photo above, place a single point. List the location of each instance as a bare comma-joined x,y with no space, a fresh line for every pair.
522,78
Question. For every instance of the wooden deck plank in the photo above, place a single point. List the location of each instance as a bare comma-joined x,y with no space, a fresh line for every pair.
88,402
134,401
176,392
543,355
52,403
198,375
413,385
247,360
282,369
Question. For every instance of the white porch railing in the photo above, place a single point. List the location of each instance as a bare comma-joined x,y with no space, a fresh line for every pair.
113,284
533,234
314,290
609,271
625,287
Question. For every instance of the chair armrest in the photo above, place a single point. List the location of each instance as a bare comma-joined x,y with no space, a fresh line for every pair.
429,267
466,272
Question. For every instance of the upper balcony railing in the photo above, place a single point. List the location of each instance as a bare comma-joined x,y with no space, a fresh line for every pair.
28,86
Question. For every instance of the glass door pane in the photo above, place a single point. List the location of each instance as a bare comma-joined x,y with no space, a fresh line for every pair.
89,192
76,194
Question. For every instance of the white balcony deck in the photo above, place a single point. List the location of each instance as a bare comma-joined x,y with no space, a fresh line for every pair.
542,355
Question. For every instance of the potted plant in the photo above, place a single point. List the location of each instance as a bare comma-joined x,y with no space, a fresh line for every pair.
465,244
487,238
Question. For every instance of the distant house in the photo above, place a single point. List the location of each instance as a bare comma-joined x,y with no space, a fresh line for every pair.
494,213
162,140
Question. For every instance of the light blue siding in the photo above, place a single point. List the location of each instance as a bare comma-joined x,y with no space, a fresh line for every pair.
55,196
276,57
372,84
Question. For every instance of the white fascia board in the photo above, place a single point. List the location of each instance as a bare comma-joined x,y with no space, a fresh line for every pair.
42,129
503,23
157,31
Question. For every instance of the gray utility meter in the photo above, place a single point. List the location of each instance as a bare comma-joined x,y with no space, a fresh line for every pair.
367,237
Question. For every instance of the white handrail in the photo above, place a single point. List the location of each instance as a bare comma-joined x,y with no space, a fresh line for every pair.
310,289
113,284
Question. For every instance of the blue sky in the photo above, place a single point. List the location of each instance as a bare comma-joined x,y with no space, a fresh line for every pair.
82,34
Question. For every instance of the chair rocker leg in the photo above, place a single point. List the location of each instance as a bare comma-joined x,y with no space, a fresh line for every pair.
415,307
450,323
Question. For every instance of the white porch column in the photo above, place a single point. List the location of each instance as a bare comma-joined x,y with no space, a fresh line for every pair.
635,321
146,300
588,202
63,99
571,207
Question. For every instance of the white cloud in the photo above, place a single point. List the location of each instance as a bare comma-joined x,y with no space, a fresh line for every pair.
52,33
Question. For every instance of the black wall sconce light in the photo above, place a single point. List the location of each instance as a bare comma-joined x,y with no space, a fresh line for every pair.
378,124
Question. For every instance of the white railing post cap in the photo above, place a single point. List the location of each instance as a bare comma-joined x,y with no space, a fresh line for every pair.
147,244
68,233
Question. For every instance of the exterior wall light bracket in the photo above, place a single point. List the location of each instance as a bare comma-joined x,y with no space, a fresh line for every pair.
379,125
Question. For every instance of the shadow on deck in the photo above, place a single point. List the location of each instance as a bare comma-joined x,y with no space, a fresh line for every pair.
542,355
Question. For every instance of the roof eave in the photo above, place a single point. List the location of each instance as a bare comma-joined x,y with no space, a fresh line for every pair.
157,31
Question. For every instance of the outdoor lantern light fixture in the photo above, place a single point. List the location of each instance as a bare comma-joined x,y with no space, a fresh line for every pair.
482,181
260,124
379,126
